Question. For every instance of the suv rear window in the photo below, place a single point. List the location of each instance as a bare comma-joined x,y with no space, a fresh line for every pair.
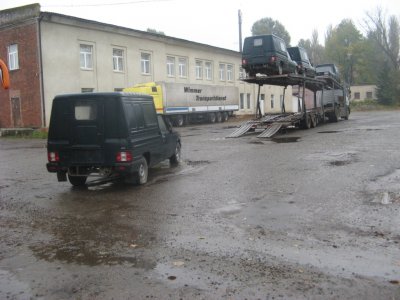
257,42
85,110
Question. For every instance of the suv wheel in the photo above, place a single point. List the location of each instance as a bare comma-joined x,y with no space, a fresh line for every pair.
143,172
176,157
77,180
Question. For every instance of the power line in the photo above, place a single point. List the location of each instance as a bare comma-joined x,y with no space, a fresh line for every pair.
106,4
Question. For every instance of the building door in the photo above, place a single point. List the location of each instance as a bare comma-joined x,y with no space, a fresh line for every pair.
16,112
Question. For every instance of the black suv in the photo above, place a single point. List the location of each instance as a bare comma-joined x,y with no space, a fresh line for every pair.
108,135
299,55
328,70
266,54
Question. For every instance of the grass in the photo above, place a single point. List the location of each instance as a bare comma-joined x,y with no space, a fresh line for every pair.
26,134
370,105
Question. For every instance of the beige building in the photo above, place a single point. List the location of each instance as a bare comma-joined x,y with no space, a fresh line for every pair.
363,92
64,54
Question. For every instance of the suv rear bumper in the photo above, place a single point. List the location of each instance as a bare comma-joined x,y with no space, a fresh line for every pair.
124,168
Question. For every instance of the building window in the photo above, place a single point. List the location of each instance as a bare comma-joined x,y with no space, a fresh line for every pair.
199,69
208,70
13,63
170,66
229,72
87,90
357,96
241,101
248,101
145,63
272,101
118,60
118,89
86,56
369,95
182,67
222,72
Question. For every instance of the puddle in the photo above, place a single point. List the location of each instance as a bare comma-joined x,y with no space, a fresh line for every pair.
339,163
256,142
384,189
231,209
329,131
195,163
188,135
293,139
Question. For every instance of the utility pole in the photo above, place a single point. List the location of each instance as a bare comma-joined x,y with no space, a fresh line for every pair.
240,30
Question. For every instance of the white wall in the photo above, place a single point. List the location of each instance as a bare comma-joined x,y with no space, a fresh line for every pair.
61,39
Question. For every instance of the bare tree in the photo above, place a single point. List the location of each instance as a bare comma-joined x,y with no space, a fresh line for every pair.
385,33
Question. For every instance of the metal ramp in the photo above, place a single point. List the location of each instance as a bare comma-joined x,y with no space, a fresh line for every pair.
270,130
245,127
269,124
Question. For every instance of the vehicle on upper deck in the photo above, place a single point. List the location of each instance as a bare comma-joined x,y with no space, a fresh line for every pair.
299,55
267,54
328,70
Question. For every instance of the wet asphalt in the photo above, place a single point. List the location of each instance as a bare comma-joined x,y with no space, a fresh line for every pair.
309,214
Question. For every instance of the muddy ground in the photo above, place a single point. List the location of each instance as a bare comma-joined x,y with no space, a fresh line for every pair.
311,214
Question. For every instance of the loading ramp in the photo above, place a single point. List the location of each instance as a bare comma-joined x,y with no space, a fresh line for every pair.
271,124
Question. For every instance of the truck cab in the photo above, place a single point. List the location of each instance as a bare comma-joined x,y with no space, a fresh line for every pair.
108,135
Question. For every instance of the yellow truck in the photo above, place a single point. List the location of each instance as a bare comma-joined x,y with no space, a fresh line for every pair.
184,103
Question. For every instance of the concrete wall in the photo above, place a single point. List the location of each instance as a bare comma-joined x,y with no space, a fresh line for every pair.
362,92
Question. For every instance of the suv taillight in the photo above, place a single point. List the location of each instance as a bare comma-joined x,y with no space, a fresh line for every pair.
273,59
53,156
244,61
124,156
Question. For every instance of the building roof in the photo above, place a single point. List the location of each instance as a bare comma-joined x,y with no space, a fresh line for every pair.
13,16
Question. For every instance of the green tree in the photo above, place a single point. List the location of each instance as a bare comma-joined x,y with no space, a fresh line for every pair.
385,34
388,79
342,47
270,26
151,30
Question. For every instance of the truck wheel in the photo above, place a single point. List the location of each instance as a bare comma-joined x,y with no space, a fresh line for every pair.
313,121
180,120
346,117
306,123
143,171
211,117
77,180
218,117
225,116
176,157
336,114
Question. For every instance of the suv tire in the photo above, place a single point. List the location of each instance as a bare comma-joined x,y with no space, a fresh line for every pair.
77,180
143,172
176,157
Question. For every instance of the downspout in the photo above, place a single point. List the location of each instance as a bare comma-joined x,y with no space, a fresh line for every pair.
42,101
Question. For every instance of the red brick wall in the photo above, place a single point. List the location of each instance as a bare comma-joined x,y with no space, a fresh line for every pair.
25,81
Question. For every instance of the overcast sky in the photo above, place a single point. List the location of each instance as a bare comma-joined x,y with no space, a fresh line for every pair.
215,22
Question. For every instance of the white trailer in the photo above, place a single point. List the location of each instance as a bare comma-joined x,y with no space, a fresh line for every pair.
184,102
